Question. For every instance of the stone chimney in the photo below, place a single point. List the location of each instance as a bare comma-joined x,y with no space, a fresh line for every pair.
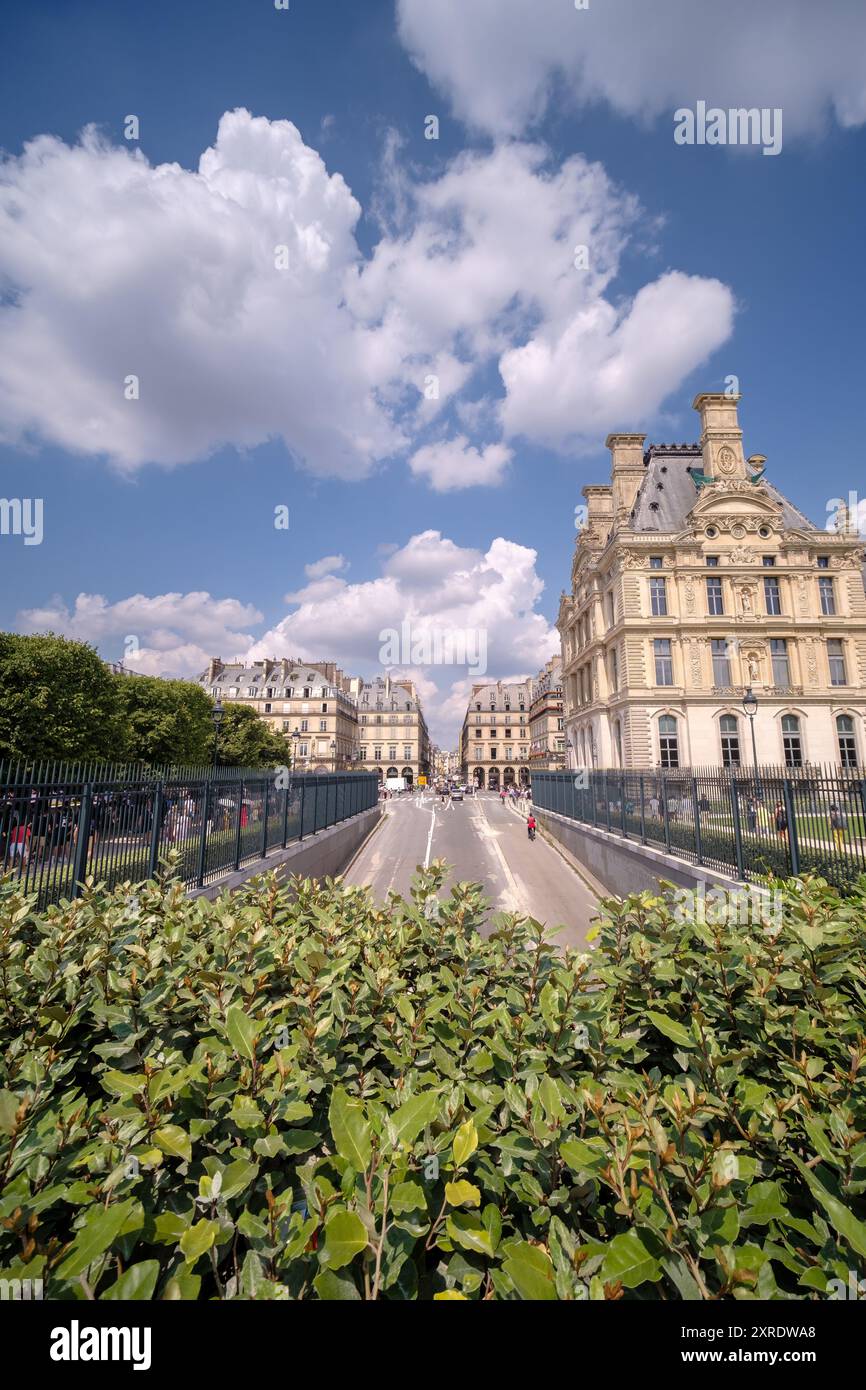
721,436
599,510
627,471
214,668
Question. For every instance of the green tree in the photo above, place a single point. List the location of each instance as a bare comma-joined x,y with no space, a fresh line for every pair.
164,721
246,740
57,700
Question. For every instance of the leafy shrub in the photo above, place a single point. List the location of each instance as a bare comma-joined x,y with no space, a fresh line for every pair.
307,1096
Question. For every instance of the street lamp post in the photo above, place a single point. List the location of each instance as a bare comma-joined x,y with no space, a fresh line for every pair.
750,709
334,754
217,717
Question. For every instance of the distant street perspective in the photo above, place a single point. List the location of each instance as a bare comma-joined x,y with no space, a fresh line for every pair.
483,840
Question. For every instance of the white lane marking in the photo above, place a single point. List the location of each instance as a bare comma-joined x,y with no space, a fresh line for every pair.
430,836
514,891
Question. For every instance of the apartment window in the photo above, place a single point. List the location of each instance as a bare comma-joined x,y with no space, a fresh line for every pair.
768,561
363,753
267,709
847,740
823,562
659,598
715,601
669,742
508,733
772,597
721,661
663,660
655,562
827,596
305,726
836,657
407,753
323,724
792,742
712,562
493,754
377,755
479,752
614,669
324,707
392,753
730,735
610,610
781,667
285,726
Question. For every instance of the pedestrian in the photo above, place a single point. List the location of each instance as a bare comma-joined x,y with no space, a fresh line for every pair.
752,814
781,819
531,826
838,824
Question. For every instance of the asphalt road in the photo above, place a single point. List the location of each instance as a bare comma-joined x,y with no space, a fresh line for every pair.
484,842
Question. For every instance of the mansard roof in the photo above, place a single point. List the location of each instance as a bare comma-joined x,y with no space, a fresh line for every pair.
669,491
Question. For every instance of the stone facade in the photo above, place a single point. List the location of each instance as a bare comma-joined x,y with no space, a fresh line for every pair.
392,731
494,744
695,579
313,698
547,719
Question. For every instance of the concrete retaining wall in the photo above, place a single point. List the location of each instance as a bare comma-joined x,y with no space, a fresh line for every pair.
623,866
329,852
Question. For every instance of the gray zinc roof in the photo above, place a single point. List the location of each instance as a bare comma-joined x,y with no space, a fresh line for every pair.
668,492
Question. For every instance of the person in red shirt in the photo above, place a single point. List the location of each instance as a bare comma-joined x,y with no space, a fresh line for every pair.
531,826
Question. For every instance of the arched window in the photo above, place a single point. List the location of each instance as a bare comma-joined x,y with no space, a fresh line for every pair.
730,735
847,740
669,741
792,741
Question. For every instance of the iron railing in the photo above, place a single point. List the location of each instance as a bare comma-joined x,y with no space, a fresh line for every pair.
55,833
757,824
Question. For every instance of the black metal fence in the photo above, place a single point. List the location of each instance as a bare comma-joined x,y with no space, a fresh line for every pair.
56,832
767,822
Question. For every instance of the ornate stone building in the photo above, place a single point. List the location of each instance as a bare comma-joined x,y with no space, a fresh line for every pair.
494,744
311,697
392,731
694,579
547,719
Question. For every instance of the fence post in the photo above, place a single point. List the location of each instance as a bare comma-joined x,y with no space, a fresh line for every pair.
666,812
202,844
622,804
606,799
238,827
698,842
265,818
79,871
301,800
793,845
738,832
153,856
287,792
642,812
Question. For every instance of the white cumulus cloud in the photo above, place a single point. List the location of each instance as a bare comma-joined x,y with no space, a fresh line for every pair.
504,63
239,298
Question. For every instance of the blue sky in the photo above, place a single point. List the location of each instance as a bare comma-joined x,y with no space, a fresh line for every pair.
258,386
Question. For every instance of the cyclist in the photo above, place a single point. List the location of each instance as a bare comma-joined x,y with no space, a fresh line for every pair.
531,826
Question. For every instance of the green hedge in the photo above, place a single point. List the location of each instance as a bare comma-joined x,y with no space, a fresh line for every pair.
278,1096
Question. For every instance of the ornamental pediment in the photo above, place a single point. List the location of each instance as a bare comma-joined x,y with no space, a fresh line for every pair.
736,499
